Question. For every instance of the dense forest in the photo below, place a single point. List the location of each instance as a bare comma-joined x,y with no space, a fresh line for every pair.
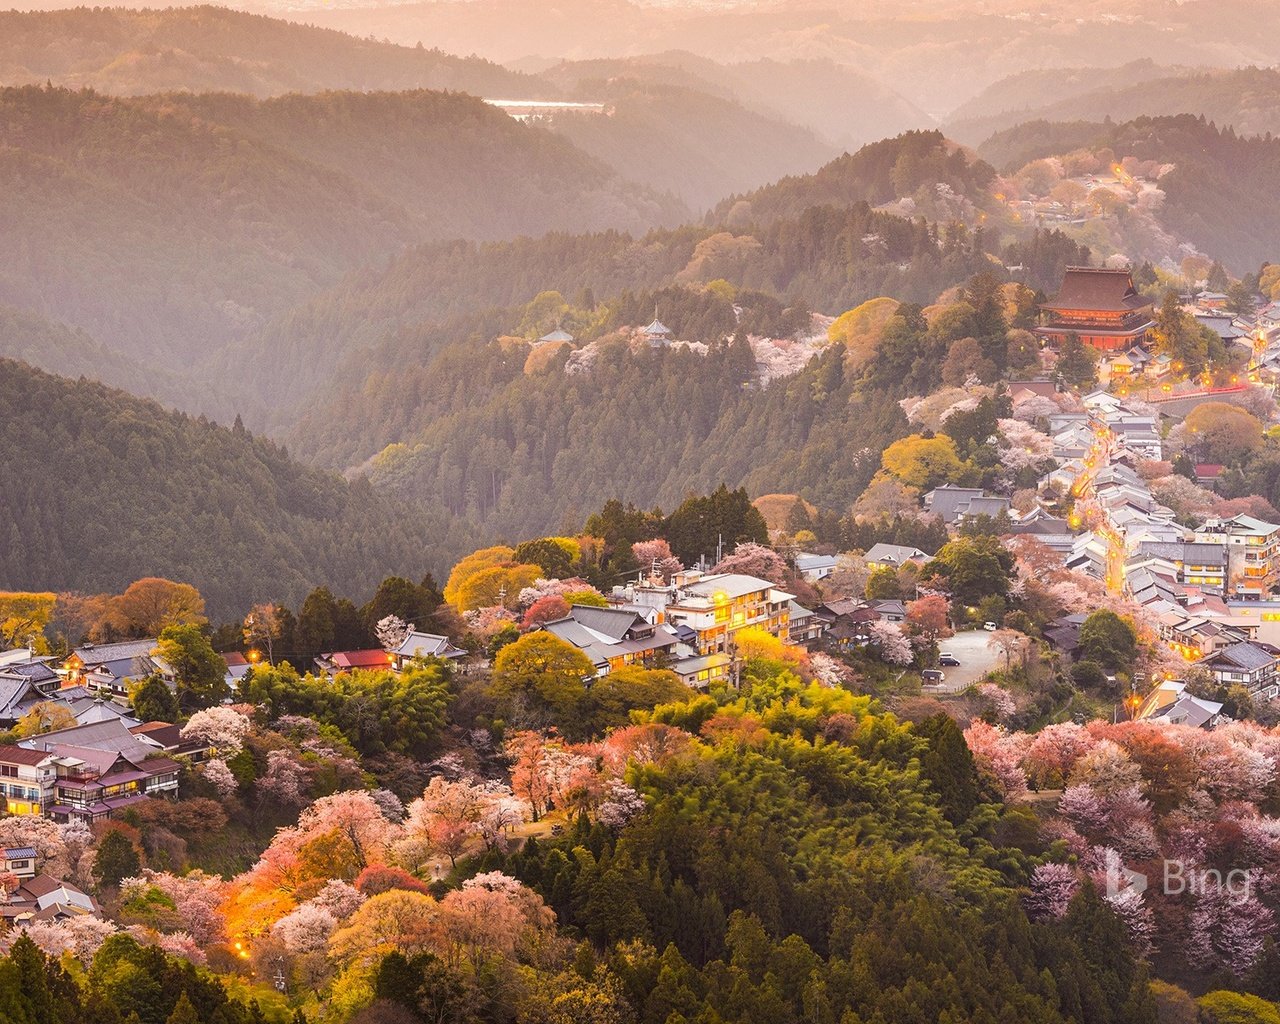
877,173
127,52
101,488
1220,194
1247,99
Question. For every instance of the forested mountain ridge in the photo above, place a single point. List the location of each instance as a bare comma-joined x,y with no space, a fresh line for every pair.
1247,100
877,173
687,142
1220,194
101,488
829,259
208,48
213,213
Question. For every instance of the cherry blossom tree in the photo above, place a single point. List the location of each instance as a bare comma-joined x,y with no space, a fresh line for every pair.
621,803
544,610
651,743
503,811
1136,915
1054,752
999,701
752,559
1051,890
1105,769
1021,446
828,670
222,728
219,776
307,929
929,618
285,781
889,641
999,753
1228,926
1084,808
356,816
656,553
79,936
447,815
392,631
341,899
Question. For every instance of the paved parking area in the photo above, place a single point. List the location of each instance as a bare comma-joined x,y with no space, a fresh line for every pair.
975,657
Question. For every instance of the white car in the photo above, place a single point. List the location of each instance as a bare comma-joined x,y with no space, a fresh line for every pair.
990,627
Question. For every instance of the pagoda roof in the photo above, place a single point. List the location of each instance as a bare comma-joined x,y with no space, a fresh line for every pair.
1097,288
657,329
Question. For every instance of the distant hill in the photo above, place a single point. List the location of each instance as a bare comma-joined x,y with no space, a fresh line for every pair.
1248,100
1221,194
689,143
843,105
102,488
936,54
877,173
206,48
166,227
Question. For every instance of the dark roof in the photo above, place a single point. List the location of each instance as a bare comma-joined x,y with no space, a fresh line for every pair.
10,754
96,654
1244,655
1085,288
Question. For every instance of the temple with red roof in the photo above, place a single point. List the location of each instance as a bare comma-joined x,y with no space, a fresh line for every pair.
1101,306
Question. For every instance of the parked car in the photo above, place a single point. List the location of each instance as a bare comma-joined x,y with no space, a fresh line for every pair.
990,627
932,677
949,660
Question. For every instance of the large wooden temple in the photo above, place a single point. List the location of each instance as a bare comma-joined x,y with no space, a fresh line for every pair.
1101,306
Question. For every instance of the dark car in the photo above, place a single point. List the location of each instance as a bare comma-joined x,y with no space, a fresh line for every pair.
948,660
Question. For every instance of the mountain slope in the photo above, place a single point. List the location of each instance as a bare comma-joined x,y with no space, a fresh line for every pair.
1220,194
841,104
102,488
127,52
169,226
1248,100
877,173
692,144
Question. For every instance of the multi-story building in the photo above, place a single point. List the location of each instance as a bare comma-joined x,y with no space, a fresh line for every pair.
1251,665
1253,554
706,611
1101,307
615,637
86,772
26,779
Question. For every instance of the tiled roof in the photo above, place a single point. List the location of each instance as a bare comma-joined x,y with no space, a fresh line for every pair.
1092,288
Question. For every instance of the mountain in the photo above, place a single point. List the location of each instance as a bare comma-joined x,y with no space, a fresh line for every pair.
1219,193
843,105
936,55
206,48
694,145
1247,99
102,488
828,258
877,173
168,226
